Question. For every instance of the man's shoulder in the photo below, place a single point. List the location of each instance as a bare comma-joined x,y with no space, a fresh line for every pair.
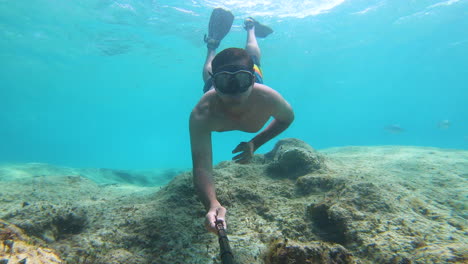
266,92
202,110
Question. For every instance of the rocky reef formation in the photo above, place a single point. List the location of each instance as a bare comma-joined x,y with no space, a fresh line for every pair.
388,205
18,248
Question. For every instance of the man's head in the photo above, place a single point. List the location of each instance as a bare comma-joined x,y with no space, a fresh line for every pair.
232,56
233,72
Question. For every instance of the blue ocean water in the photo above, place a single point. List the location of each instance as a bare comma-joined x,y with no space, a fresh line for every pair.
104,83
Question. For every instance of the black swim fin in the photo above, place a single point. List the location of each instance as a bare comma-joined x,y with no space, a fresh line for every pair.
261,31
220,24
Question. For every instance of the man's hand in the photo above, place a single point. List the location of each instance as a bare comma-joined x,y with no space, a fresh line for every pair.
247,152
215,213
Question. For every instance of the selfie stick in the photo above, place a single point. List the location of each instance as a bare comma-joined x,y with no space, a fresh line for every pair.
226,253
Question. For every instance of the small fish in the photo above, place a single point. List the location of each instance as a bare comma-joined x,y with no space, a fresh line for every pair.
394,129
444,124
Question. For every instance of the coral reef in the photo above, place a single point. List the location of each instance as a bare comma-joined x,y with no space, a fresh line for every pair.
364,205
312,252
293,158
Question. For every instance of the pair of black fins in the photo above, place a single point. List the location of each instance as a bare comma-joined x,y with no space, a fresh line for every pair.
221,22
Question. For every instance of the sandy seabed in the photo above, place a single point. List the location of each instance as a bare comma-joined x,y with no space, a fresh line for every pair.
386,204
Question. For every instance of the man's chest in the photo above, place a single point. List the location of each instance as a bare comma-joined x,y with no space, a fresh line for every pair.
249,122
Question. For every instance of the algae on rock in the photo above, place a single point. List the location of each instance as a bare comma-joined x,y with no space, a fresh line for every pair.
364,205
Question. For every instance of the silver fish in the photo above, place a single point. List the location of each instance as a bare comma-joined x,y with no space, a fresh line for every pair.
444,124
394,129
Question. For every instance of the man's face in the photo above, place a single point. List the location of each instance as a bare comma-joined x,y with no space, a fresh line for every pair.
235,99
233,83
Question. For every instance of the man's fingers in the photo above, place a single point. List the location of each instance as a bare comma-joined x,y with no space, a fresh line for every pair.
239,147
238,156
243,160
211,218
221,215
224,222
212,229
210,223
218,213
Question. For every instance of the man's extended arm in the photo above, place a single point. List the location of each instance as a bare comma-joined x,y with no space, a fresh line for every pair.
283,117
200,139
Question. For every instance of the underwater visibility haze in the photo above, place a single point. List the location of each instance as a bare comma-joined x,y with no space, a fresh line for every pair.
95,161
111,83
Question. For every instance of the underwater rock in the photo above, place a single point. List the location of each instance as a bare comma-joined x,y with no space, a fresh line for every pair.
370,198
70,223
51,222
290,252
329,222
23,249
120,255
292,158
308,184
385,205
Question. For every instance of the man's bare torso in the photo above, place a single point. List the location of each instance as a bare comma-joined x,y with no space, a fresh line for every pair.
251,116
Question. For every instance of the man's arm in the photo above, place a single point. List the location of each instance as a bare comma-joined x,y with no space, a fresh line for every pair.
283,117
200,139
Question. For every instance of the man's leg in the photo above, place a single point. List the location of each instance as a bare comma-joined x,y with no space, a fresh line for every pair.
251,46
218,27
207,67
